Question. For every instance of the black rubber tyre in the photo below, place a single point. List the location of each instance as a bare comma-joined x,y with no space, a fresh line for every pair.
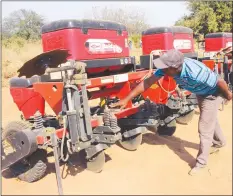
96,163
185,119
31,168
131,143
167,130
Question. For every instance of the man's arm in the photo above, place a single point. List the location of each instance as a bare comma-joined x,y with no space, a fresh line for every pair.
145,84
223,88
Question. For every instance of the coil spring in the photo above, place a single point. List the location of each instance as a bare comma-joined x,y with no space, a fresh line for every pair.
106,118
113,121
38,120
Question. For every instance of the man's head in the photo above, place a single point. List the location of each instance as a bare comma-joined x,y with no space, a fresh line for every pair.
170,62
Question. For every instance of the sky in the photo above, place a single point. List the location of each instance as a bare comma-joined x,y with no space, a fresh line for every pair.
157,13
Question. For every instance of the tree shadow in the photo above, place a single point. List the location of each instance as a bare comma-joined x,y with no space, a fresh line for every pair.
176,144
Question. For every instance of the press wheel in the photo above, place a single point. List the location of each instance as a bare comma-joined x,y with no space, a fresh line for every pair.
168,129
96,163
131,143
185,119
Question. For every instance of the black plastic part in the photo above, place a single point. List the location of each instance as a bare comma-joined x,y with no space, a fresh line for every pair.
82,24
172,29
216,35
109,62
133,122
132,132
72,120
107,139
86,110
38,64
79,121
203,58
24,82
105,130
24,143
94,149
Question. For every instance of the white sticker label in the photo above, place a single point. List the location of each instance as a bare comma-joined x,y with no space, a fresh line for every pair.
121,78
56,75
106,80
229,44
102,46
182,44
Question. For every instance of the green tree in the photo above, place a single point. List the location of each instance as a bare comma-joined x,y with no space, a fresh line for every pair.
208,17
22,23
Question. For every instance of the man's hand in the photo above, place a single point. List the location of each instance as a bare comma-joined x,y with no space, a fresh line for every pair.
223,88
229,97
122,104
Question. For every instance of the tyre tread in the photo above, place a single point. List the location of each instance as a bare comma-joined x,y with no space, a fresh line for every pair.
38,159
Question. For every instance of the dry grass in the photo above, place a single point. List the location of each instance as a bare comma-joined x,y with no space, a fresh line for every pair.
137,52
13,58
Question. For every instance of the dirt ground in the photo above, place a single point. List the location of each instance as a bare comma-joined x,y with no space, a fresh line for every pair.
159,166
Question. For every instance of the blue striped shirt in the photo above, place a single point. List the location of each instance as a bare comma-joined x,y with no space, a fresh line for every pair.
195,77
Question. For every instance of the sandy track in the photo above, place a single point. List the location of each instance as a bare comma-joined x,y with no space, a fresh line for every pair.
159,166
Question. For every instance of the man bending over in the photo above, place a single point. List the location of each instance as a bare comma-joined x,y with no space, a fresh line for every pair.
197,78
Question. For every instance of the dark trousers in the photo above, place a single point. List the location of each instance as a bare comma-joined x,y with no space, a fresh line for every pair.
208,127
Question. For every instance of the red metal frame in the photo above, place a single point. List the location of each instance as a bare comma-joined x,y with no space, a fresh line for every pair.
110,86
116,86
211,64
28,101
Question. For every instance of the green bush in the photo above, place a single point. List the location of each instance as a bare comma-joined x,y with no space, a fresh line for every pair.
14,43
135,38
